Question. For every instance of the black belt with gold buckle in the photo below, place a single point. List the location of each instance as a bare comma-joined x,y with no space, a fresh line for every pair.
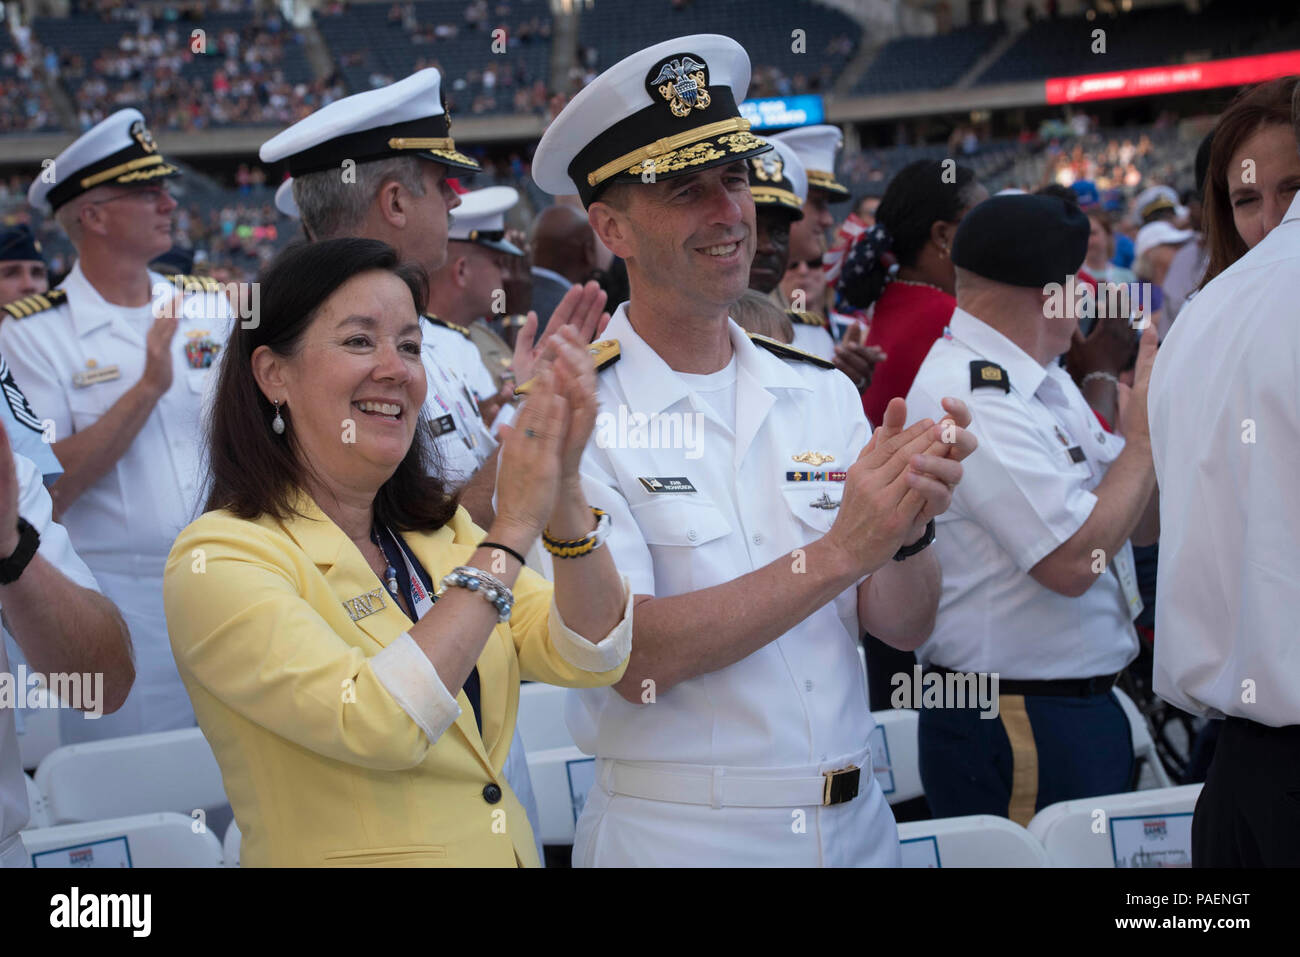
841,786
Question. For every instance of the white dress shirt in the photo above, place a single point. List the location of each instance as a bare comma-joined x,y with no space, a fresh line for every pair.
1224,409
457,352
798,701
34,505
1022,495
124,524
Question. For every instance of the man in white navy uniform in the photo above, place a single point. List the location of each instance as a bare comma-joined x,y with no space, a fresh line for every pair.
1039,585
55,614
1225,430
118,365
740,734
469,283
397,141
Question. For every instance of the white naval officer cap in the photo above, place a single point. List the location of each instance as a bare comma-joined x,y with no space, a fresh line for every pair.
118,150
670,109
1155,198
405,118
816,147
481,218
777,179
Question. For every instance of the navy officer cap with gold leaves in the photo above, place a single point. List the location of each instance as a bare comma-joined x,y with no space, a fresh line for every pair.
668,110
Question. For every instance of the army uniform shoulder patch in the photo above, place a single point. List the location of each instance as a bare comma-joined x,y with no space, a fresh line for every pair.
603,355
990,375
453,326
29,306
190,283
807,319
788,352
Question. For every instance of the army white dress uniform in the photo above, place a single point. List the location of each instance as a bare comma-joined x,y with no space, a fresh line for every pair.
726,768
74,360
34,505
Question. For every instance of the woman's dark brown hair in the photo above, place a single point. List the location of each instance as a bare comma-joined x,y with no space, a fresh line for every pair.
1258,106
253,471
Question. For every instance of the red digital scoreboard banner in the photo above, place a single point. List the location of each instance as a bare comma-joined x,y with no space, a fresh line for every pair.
1173,79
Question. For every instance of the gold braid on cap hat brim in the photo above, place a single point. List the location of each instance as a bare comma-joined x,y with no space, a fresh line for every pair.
661,149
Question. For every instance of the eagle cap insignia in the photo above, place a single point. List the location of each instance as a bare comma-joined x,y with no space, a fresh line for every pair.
813,458
683,82
768,167
140,133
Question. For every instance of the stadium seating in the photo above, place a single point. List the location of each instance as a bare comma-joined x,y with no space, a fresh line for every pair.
1144,748
1139,829
895,755
541,717
926,63
35,804
980,840
38,735
167,771
561,779
145,840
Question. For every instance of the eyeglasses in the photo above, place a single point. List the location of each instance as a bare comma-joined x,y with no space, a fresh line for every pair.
812,264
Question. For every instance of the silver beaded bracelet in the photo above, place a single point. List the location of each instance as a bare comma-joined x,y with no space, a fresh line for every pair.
1113,380
491,588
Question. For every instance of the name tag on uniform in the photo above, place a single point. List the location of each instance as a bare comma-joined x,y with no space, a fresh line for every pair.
442,425
96,374
667,484
1126,571
1076,454
363,605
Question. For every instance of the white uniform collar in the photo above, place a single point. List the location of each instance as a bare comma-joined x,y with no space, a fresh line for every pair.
1024,372
89,309
1293,211
643,373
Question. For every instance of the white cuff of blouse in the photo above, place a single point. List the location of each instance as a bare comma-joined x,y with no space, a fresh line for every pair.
410,677
604,655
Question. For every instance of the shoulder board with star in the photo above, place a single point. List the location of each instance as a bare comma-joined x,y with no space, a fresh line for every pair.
453,326
988,375
807,319
788,352
29,306
190,283
603,355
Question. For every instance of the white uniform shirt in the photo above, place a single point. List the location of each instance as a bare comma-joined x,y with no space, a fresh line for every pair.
814,339
123,526
1021,496
1224,409
457,352
35,506
799,700
452,410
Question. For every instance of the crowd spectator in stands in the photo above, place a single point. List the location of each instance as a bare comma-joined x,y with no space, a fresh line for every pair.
286,497
1253,134
1189,264
563,249
757,313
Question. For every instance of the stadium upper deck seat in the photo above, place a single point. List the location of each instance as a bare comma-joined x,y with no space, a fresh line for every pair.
1140,829
145,840
980,840
117,777
926,63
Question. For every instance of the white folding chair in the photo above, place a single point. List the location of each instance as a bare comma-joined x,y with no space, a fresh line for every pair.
1139,829
1144,746
230,846
894,752
139,774
980,840
35,804
541,717
561,779
145,840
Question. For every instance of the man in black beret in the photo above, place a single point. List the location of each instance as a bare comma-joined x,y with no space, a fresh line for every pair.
1039,589
22,267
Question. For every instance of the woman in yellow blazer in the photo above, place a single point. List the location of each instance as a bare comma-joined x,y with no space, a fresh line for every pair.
358,718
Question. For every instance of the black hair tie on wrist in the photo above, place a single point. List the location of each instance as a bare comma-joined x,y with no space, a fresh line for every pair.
505,548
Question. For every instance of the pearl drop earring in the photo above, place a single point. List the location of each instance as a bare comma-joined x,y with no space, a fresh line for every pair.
277,424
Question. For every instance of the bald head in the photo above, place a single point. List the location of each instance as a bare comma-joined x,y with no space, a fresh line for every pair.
563,242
